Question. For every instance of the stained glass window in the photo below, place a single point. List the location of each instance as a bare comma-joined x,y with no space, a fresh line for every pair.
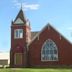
49,51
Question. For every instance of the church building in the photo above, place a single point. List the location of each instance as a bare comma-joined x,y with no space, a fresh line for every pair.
37,49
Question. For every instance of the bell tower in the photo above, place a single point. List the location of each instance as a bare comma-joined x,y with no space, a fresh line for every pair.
20,37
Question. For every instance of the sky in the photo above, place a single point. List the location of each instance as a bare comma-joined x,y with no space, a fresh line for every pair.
40,12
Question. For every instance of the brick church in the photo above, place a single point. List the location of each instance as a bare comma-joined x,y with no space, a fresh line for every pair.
37,49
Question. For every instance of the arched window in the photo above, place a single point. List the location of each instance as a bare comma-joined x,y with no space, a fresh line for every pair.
49,51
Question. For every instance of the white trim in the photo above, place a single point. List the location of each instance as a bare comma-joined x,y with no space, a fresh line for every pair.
60,37
38,37
38,34
49,60
18,21
20,35
44,29
60,33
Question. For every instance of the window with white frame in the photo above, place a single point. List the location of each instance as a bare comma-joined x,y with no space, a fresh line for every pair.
49,51
18,33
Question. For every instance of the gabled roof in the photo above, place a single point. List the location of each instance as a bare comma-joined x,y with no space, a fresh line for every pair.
33,34
21,16
49,26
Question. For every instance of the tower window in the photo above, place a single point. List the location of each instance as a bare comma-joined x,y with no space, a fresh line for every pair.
18,33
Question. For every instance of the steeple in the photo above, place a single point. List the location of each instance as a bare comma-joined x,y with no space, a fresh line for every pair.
20,38
21,5
20,18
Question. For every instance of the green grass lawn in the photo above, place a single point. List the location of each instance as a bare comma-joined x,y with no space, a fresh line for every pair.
35,70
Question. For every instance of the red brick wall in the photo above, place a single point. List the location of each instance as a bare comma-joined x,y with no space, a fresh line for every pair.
18,45
64,49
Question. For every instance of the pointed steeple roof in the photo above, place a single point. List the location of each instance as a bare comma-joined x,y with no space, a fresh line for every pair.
21,16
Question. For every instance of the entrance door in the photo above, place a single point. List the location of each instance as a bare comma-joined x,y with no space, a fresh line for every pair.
18,59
